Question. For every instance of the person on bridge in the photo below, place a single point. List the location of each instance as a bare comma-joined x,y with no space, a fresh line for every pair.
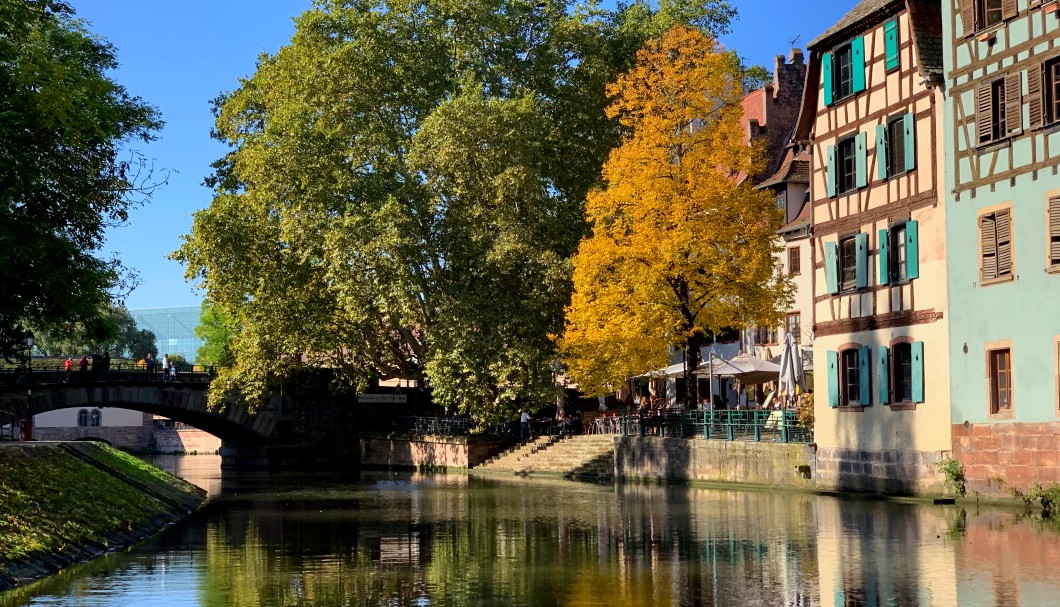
149,362
84,366
68,366
165,367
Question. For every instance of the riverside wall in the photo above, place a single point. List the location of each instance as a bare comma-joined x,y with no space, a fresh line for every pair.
427,452
53,497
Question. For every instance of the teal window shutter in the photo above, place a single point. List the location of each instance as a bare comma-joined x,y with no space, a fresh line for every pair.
861,163
884,254
831,171
826,77
861,267
918,371
881,151
912,250
857,63
833,379
864,377
883,375
890,42
831,267
910,141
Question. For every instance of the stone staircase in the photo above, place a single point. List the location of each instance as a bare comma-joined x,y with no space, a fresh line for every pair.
587,456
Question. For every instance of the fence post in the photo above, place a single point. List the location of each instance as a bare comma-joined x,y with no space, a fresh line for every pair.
758,426
728,426
706,423
784,428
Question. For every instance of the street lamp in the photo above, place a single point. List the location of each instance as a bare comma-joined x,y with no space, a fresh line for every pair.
29,351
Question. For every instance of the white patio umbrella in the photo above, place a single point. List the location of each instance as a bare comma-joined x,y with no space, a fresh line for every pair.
792,375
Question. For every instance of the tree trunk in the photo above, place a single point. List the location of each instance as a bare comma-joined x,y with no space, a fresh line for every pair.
692,359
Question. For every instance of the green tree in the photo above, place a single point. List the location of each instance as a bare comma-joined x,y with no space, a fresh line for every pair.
113,331
64,125
216,334
405,190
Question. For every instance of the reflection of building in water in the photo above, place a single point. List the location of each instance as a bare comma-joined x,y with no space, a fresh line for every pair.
1001,561
874,554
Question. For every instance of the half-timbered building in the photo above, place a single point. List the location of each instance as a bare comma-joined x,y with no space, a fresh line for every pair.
1003,238
872,121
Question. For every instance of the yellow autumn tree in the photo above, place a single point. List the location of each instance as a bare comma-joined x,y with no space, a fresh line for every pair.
681,246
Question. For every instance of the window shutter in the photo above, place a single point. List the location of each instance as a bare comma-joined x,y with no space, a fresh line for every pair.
883,375
909,132
857,64
987,238
833,379
826,77
984,111
917,351
861,163
912,250
831,171
1004,242
890,37
831,267
1009,9
1034,95
884,253
967,16
1054,230
864,376
861,268
881,151
1013,103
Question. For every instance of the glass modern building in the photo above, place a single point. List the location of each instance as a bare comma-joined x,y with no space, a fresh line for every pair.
174,329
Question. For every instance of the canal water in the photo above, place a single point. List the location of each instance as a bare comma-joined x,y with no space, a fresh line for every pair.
424,540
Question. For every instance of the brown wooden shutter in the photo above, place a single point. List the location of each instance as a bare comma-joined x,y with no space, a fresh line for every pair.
1004,242
984,113
1009,9
1034,94
1013,103
1054,230
967,16
987,235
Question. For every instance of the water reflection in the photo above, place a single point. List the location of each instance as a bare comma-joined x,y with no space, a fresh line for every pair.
453,540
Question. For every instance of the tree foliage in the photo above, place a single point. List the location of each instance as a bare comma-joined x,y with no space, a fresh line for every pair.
216,333
680,246
406,187
63,126
113,330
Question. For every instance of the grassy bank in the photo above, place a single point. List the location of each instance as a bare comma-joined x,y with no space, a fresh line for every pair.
63,503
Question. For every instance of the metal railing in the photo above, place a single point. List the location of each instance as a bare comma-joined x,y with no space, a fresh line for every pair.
780,426
117,372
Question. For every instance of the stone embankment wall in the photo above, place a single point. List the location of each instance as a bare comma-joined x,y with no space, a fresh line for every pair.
61,503
1001,456
179,441
427,452
680,459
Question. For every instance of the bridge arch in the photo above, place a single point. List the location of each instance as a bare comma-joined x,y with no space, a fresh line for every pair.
177,401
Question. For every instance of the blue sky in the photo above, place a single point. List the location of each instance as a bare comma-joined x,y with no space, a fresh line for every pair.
178,55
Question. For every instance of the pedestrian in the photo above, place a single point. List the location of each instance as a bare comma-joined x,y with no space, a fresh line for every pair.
83,364
106,365
524,426
165,367
68,366
149,362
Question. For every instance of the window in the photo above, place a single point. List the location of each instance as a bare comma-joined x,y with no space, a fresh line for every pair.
898,262
1054,233
983,14
1000,364
843,71
846,166
850,378
95,418
793,325
899,253
895,146
902,364
782,201
794,263
995,234
82,418
765,335
1052,90
847,264
998,112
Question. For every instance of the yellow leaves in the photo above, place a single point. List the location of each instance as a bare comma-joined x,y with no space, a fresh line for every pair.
677,245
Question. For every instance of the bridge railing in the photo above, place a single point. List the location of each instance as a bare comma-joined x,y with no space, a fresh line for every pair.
118,372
